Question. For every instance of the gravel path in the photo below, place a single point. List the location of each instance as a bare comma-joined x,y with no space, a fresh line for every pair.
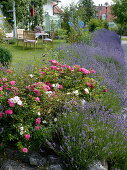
124,45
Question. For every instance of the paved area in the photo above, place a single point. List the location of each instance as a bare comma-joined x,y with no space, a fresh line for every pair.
124,45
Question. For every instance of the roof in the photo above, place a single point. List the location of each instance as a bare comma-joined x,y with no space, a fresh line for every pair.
56,9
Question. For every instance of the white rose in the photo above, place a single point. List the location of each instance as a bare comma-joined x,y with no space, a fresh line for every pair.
86,91
38,113
19,102
21,128
31,75
55,119
83,102
44,121
76,92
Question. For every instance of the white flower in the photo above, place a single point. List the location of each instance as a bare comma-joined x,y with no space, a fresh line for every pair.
21,133
76,92
55,85
86,91
16,98
31,75
44,121
68,93
21,128
19,102
49,93
38,113
83,102
55,119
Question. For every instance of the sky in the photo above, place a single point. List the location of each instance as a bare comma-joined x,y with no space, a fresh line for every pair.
96,2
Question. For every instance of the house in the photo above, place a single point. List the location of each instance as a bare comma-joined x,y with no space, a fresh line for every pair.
1,18
52,15
104,12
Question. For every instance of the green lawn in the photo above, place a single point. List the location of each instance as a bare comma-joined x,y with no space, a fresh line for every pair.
124,39
30,57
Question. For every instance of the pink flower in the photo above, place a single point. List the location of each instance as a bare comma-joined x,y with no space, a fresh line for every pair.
38,121
12,82
27,136
85,71
25,150
76,66
9,71
37,99
9,112
37,92
46,87
42,72
88,84
53,68
54,62
70,68
1,88
10,103
105,90
37,127
4,79
1,115
60,87
92,71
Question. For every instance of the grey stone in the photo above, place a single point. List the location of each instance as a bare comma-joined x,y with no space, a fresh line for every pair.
55,167
52,159
37,160
14,165
97,165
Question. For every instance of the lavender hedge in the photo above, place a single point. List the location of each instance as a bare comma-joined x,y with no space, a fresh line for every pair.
105,55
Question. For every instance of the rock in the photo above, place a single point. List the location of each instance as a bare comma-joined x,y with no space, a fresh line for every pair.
37,160
14,165
52,159
55,167
97,165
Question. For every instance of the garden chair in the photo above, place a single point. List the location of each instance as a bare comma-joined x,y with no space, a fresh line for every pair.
49,40
29,37
19,35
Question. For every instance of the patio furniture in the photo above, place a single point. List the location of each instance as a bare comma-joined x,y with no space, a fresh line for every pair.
20,35
29,37
49,40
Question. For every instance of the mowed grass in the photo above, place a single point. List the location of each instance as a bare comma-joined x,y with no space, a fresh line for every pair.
29,57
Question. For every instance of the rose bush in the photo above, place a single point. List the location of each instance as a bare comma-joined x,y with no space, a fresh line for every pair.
28,113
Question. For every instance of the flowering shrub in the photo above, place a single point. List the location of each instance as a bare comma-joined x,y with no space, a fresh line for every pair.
28,113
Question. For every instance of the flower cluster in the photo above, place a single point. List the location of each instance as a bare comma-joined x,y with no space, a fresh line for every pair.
27,111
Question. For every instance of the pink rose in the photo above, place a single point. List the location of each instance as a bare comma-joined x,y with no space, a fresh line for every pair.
9,112
27,136
37,127
25,150
53,68
37,92
42,72
38,121
60,87
1,88
37,99
9,71
1,115
92,71
105,90
12,82
46,87
4,79
85,71
54,62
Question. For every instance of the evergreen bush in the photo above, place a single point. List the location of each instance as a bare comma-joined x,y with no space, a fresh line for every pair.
5,56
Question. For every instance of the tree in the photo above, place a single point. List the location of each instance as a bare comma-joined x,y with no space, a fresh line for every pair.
119,10
23,14
86,10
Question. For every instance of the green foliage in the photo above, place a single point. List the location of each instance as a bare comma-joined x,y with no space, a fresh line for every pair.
79,35
86,10
119,10
23,12
85,138
31,104
95,24
61,33
5,56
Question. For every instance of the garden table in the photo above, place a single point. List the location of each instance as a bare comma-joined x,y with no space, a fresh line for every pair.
42,34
